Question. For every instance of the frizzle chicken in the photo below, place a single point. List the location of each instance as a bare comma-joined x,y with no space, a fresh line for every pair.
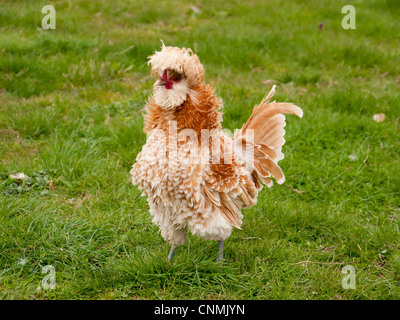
196,176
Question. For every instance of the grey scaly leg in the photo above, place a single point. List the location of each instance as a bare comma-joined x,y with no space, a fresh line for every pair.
220,250
171,253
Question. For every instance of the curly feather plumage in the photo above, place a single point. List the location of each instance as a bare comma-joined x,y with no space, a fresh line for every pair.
205,197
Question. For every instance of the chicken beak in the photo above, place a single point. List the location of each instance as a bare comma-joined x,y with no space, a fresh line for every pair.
165,82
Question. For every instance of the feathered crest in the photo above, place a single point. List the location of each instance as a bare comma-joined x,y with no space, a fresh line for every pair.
181,60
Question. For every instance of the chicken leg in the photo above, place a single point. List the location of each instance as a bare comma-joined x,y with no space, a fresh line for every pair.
171,252
220,250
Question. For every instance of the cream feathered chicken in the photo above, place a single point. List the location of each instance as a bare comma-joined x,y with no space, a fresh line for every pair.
196,176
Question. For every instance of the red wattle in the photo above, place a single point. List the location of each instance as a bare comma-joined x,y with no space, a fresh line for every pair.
168,84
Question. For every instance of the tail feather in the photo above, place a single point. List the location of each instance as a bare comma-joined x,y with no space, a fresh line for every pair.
275,155
268,122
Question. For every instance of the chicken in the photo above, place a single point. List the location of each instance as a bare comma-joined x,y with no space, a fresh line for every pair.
196,177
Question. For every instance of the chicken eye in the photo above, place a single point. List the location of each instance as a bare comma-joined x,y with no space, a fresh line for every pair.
177,78
174,76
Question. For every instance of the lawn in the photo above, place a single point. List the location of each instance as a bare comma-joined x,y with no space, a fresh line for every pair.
71,104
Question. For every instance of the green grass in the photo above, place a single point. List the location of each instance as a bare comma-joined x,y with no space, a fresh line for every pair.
70,118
